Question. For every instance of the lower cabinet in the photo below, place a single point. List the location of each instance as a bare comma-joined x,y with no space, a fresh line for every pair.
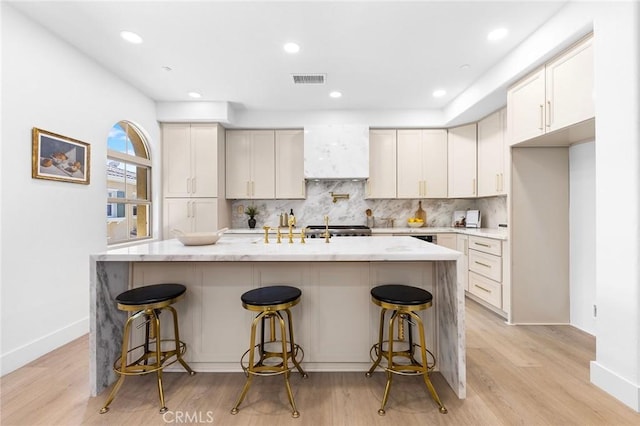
486,270
335,321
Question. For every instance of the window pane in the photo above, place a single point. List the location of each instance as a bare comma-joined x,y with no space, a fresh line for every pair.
116,223
130,180
138,223
117,140
142,186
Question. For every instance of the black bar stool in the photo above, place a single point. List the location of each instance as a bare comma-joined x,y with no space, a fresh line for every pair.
148,302
270,302
403,301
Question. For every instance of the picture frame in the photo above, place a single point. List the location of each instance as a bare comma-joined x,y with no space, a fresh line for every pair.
61,158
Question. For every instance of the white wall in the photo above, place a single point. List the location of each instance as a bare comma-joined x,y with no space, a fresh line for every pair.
582,237
49,228
617,93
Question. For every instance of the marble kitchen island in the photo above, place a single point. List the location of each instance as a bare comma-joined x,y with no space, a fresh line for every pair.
335,322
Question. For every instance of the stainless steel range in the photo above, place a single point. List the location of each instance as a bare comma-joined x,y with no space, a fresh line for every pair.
317,231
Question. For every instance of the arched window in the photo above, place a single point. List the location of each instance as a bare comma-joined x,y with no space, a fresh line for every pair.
128,185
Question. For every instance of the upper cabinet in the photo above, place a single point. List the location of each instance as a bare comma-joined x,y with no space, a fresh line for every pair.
422,163
491,154
250,164
462,161
556,96
190,160
289,168
382,164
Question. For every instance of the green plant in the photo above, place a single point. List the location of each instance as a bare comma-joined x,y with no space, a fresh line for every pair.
251,211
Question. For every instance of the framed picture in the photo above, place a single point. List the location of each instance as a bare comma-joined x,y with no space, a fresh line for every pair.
57,157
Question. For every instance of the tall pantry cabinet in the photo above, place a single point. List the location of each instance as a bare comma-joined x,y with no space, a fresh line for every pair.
193,170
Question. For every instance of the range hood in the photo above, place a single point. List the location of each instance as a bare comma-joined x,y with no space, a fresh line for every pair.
336,151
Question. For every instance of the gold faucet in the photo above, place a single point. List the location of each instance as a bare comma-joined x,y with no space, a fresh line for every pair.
292,221
266,234
302,241
326,229
336,196
278,237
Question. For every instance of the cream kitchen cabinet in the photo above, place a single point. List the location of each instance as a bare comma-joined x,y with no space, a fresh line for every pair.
250,164
289,167
190,215
557,95
486,270
422,163
193,178
491,154
462,170
382,164
190,160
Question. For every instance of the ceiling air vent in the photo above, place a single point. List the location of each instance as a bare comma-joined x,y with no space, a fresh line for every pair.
309,78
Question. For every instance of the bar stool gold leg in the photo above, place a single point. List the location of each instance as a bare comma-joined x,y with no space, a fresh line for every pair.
123,364
380,337
176,335
385,397
292,343
155,331
252,344
425,375
285,350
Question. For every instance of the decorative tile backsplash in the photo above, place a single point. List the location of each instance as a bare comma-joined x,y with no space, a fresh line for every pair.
351,211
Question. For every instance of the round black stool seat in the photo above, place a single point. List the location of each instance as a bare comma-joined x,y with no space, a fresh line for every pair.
274,295
397,294
151,294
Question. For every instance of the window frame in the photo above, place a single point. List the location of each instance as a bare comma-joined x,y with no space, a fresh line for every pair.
139,162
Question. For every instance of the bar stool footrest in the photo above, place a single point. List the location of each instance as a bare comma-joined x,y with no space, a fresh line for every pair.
260,369
414,368
138,367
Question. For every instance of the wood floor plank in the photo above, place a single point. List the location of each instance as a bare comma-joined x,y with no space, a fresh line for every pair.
516,375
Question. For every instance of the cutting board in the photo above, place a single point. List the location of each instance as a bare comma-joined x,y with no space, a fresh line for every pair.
421,214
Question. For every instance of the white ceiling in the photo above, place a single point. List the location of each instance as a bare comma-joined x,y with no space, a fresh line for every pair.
382,55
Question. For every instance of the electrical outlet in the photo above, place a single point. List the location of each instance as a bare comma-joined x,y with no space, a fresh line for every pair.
240,209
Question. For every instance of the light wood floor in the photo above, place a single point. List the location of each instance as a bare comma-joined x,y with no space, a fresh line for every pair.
526,375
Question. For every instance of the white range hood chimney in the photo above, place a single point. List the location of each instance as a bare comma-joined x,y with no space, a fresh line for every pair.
336,151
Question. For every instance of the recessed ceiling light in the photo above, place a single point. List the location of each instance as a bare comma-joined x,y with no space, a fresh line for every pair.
291,48
195,95
497,34
166,68
131,37
335,94
439,93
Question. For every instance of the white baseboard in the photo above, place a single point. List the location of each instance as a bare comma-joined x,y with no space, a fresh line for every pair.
615,385
33,350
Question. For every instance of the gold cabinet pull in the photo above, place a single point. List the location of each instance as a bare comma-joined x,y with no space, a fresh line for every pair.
482,264
188,185
481,244
482,288
548,113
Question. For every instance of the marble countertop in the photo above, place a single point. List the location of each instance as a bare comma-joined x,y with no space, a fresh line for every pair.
228,248
496,233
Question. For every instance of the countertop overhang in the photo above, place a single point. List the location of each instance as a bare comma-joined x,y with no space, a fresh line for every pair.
397,248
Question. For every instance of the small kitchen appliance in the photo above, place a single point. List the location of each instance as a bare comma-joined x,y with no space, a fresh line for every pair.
473,218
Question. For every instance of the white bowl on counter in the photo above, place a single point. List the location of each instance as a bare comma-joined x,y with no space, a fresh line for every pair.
198,238
415,224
